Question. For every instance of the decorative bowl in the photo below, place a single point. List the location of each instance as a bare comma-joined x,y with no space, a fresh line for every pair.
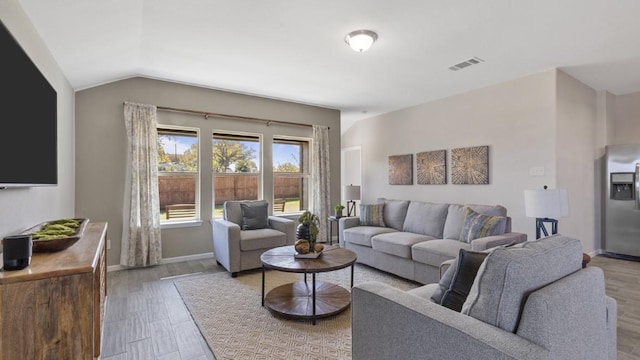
53,245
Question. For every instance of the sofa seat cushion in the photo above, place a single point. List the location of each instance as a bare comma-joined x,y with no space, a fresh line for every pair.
361,235
397,243
456,214
261,239
509,274
435,252
426,218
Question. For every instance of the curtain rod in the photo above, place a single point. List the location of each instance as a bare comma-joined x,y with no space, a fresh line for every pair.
227,116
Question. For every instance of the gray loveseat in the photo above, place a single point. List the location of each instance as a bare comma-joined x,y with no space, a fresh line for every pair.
528,301
419,236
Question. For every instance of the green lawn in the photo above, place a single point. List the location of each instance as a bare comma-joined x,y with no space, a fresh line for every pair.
290,206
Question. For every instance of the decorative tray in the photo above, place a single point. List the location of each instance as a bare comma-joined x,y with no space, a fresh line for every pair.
313,255
58,243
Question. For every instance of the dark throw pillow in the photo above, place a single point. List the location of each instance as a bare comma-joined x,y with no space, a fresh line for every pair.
372,215
254,215
465,271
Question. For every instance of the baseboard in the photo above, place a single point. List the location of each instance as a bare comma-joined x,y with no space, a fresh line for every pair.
167,260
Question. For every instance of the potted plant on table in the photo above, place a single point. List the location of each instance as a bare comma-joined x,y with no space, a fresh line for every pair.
307,233
339,209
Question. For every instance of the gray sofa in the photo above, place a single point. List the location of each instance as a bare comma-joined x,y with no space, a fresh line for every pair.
419,236
528,301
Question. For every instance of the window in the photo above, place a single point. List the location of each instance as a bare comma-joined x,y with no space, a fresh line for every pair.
290,175
236,168
177,172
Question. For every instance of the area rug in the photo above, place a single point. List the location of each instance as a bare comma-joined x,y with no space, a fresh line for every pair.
229,314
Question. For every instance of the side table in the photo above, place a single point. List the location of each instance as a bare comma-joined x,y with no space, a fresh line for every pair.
333,219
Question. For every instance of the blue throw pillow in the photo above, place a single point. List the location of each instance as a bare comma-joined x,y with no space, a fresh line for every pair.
477,226
372,215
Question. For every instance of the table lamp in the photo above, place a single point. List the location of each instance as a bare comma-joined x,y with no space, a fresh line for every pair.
546,205
351,192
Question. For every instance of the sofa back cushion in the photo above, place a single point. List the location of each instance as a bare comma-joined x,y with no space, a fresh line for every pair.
426,218
232,211
394,212
456,214
509,274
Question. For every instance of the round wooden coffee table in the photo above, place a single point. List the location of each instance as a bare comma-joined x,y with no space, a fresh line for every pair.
300,299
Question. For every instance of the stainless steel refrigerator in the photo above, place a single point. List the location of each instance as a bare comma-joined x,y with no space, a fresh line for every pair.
622,205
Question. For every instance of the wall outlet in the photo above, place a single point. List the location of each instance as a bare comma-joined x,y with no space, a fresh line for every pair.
108,244
536,171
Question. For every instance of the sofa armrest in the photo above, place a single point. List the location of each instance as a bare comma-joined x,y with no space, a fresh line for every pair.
388,323
284,225
226,244
345,223
489,242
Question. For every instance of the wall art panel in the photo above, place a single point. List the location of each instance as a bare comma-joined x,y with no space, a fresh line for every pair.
432,167
470,165
401,169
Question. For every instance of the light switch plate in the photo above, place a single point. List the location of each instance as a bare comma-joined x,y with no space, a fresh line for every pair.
536,171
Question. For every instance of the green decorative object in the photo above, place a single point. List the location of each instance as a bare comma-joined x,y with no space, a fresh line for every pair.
308,229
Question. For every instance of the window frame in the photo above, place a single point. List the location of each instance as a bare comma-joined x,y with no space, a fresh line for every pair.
238,135
305,168
168,223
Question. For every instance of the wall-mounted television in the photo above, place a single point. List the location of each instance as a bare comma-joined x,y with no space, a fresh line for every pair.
28,109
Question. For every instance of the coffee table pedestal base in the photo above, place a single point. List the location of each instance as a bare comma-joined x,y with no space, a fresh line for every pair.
295,300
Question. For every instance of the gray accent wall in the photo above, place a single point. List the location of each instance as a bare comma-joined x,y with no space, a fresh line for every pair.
22,208
101,148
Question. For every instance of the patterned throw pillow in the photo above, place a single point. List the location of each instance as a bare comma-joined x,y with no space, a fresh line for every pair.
478,226
372,215
254,216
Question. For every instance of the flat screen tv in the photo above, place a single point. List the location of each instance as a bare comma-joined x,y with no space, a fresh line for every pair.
28,109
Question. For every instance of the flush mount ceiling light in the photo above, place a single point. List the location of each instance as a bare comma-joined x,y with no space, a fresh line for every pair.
361,40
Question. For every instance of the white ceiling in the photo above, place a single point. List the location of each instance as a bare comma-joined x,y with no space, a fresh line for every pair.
295,50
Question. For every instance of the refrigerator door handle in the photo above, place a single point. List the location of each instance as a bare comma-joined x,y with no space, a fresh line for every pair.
636,183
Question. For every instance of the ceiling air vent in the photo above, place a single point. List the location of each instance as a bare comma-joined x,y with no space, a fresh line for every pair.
466,63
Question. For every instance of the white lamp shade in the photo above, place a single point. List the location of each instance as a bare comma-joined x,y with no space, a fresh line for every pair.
546,203
352,192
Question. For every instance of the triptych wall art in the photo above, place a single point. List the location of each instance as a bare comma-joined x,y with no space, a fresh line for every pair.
469,165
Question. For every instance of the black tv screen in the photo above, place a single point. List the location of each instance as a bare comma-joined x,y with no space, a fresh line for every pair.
28,108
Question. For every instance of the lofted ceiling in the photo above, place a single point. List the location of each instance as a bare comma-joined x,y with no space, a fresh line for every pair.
294,49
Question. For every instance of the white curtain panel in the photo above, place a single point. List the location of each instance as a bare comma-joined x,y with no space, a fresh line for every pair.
320,175
141,243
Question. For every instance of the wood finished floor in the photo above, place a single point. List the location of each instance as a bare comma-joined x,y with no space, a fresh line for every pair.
145,317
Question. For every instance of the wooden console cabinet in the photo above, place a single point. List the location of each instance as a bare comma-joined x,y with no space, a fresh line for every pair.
54,308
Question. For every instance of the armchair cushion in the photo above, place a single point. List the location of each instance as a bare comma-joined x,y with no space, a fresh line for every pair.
254,215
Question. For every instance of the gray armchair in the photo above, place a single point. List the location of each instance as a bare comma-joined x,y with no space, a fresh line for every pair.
236,249
527,302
